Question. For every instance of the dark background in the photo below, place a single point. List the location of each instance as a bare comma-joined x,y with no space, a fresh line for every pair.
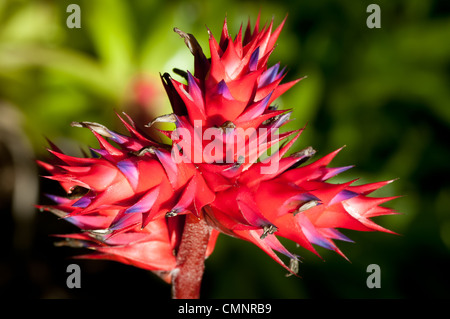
384,93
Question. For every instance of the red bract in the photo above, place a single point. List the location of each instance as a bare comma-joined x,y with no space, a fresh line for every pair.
161,207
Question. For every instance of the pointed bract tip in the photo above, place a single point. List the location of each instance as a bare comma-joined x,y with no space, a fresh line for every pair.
167,118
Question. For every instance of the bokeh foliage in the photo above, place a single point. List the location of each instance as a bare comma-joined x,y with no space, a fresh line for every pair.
384,93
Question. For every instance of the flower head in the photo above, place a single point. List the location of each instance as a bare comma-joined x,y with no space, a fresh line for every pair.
132,201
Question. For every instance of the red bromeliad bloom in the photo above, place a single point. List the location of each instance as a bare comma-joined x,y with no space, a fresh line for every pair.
161,207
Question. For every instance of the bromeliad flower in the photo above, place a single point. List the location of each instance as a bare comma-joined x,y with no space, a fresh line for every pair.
161,207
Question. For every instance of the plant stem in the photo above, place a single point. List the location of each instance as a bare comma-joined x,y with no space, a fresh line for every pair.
187,279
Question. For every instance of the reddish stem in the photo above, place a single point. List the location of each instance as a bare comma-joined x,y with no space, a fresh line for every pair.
187,278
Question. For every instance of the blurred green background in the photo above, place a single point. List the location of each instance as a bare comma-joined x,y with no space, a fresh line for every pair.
384,93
